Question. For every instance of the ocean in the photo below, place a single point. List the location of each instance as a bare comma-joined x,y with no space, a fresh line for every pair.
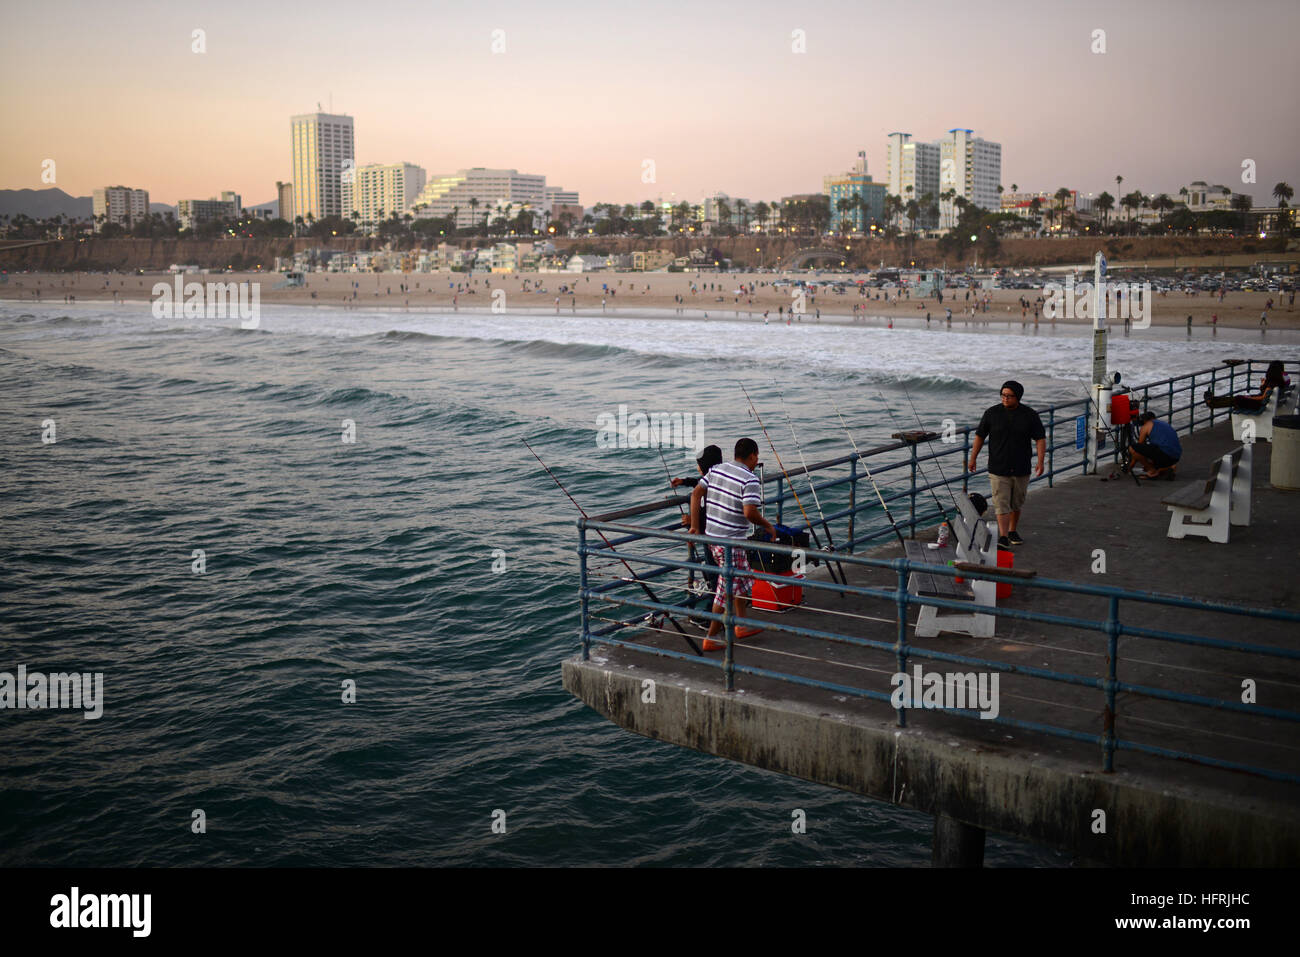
201,531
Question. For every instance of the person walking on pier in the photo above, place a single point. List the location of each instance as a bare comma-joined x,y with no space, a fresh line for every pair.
733,502
1009,427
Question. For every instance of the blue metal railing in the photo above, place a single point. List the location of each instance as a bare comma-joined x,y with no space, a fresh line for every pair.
1185,417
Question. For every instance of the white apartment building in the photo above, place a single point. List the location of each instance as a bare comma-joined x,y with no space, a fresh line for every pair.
324,152
119,204
557,196
193,212
972,167
908,163
493,189
379,190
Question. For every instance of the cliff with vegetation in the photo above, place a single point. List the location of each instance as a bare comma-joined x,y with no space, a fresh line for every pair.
153,255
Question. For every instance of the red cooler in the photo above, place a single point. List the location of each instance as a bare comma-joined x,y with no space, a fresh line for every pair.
1006,559
769,596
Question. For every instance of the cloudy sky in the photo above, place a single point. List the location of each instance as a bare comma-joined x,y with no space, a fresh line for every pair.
713,92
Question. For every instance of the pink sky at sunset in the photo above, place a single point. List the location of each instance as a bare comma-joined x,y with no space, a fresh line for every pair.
712,92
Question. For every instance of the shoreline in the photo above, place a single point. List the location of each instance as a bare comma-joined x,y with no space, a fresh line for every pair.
663,295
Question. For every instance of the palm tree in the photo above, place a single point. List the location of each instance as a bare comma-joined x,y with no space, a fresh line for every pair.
1162,204
1119,183
1062,195
1105,203
647,208
1282,192
473,210
842,206
742,211
1015,188
1242,204
724,212
761,212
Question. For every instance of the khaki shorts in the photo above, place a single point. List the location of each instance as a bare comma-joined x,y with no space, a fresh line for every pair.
1009,492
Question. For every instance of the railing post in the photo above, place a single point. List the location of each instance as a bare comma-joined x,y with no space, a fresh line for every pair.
1051,446
900,645
582,588
1112,654
1191,406
728,617
912,506
780,501
853,498
1171,401
965,457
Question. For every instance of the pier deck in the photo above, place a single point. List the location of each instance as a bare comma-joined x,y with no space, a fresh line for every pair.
1040,787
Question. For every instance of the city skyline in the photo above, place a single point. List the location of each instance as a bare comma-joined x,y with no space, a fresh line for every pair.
586,95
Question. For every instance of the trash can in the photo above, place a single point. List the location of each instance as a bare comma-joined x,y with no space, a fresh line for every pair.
1285,465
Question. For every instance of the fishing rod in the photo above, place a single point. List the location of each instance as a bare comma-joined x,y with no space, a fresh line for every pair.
870,477
653,597
817,501
902,433
812,530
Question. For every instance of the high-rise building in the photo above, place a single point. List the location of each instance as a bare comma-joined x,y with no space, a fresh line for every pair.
324,153
972,167
471,194
119,204
284,197
912,172
380,190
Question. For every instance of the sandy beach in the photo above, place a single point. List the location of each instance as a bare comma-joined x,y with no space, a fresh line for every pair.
625,293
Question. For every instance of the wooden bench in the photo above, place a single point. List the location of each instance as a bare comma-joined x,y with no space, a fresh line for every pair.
1224,499
931,620
1260,422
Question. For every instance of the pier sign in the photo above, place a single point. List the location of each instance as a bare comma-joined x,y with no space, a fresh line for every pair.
1080,432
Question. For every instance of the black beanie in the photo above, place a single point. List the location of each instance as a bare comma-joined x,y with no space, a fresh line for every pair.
1015,387
711,456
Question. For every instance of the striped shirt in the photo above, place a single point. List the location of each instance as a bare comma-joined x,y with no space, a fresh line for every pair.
729,488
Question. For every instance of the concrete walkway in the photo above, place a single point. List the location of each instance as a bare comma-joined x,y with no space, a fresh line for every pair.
1037,786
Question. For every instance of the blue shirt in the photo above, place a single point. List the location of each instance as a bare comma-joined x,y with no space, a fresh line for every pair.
1165,439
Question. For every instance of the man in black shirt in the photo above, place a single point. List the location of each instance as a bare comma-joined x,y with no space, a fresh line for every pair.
1009,428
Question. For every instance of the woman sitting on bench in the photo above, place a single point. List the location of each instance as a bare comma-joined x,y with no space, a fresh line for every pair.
1274,378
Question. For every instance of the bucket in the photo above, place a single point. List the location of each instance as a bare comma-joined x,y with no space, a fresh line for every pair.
1006,559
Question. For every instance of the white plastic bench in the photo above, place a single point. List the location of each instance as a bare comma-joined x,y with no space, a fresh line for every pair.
1209,509
1261,421
973,542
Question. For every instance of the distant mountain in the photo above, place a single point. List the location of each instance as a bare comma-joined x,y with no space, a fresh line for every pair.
162,208
273,206
43,203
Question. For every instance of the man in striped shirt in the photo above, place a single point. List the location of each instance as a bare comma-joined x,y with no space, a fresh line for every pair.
732,503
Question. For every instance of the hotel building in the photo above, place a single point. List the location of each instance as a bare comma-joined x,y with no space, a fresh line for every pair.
324,152
494,189
915,165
